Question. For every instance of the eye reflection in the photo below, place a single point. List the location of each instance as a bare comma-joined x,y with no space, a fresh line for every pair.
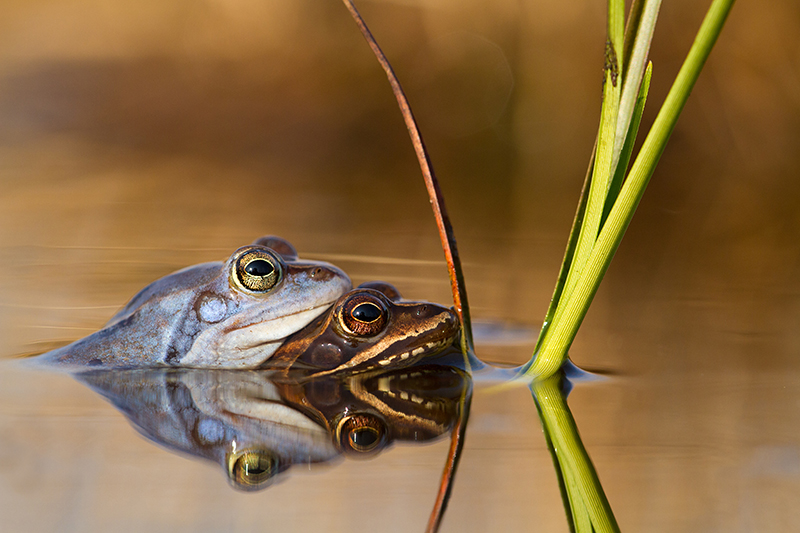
364,439
361,434
252,469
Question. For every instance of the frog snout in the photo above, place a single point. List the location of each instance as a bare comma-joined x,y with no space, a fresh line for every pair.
453,318
446,317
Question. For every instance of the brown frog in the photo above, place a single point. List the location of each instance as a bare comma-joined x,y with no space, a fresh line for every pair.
368,328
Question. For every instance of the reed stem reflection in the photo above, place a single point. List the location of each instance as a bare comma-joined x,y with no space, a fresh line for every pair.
584,500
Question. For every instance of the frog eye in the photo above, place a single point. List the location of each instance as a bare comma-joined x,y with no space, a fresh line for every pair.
257,269
252,469
363,315
361,434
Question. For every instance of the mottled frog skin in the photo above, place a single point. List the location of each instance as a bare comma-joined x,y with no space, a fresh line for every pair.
233,314
368,328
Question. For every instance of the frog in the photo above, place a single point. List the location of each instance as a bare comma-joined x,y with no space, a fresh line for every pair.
369,328
231,314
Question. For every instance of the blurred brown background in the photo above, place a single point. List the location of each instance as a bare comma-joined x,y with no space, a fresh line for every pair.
201,125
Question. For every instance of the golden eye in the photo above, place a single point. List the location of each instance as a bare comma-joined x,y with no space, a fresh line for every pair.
363,314
361,434
252,469
257,269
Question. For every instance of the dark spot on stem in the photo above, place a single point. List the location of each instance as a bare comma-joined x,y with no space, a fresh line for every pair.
611,64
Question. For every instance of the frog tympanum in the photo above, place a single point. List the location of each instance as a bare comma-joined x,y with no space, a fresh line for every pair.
214,315
368,328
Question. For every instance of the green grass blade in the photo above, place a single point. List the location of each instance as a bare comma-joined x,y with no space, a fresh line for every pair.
575,258
569,253
602,171
656,140
590,226
633,77
616,24
631,27
571,311
630,140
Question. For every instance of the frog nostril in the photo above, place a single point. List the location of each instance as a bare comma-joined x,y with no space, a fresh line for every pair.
422,310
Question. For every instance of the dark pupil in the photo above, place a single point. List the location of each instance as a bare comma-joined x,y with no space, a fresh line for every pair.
259,267
255,466
364,438
254,469
366,313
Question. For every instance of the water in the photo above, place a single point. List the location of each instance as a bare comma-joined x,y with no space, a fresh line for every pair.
137,141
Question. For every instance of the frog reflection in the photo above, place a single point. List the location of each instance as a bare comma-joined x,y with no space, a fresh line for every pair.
367,329
215,315
364,413
256,424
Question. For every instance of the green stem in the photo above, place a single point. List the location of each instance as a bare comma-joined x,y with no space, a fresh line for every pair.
630,139
633,75
574,305
602,171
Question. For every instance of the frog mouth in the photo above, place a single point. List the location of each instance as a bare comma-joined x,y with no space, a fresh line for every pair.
246,345
416,353
403,358
276,329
